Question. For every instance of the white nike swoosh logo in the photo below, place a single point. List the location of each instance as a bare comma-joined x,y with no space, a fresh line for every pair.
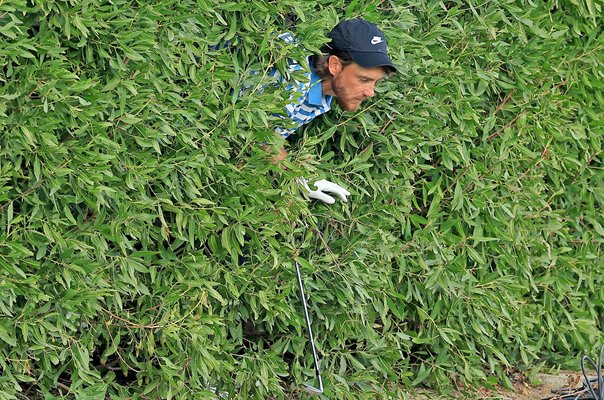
376,40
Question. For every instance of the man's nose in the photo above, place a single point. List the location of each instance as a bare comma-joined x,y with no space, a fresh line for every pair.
369,91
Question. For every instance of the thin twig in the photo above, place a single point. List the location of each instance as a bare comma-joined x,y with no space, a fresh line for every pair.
591,158
494,135
25,193
458,178
63,386
564,82
504,102
386,124
563,396
508,97
131,324
154,326
119,355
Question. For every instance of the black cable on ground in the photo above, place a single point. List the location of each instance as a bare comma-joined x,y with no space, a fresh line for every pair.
592,389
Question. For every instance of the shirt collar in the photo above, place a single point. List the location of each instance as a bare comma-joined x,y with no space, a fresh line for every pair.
315,94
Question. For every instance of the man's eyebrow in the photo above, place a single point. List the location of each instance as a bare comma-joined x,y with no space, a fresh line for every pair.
369,77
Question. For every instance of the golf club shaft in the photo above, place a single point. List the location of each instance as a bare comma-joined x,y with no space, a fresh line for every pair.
310,334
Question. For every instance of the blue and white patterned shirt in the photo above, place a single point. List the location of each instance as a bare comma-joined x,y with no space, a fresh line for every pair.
309,101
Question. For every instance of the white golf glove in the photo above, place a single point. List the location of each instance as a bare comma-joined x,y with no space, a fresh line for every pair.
323,187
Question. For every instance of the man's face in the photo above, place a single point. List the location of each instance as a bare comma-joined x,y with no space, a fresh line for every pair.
352,84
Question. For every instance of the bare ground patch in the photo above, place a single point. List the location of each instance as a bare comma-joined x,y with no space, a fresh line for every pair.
544,386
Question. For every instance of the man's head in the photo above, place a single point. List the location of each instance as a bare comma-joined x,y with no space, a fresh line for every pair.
352,63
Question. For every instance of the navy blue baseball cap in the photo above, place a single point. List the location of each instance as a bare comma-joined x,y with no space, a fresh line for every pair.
365,43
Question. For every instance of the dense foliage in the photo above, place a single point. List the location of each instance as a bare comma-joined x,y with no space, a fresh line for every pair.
147,243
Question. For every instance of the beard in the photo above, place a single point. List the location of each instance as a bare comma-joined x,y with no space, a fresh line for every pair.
345,99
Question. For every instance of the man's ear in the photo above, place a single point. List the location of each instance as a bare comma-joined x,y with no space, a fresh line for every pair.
334,65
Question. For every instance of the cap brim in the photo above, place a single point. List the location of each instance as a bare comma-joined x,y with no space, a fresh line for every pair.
372,60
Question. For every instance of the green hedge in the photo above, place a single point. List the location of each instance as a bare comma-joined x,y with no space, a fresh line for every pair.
147,244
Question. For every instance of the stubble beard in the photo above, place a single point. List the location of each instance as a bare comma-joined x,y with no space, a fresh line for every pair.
344,100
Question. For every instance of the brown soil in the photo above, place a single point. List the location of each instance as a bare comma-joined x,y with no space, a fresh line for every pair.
541,388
